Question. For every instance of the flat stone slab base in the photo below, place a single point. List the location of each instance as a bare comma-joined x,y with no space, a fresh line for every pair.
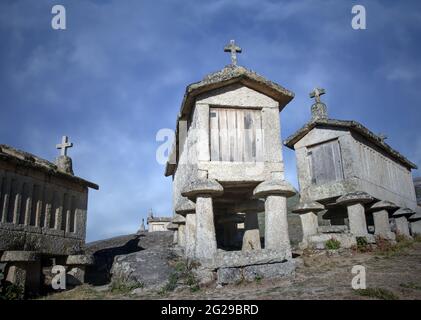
346,240
230,275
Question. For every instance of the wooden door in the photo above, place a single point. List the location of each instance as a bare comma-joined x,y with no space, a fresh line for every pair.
236,135
326,162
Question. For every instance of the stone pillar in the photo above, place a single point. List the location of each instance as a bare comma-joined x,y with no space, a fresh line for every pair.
357,221
402,226
180,221
401,221
190,236
201,191
276,224
175,237
309,220
251,238
382,225
183,208
354,203
276,192
415,224
381,219
182,235
205,228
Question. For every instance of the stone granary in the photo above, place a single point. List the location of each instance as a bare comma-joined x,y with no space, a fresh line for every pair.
227,166
157,223
43,208
351,178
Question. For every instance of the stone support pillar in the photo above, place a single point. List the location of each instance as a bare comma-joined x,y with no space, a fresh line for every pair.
354,203
202,191
251,238
182,235
357,220
309,220
402,226
382,225
205,228
190,235
401,221
380,212
276,192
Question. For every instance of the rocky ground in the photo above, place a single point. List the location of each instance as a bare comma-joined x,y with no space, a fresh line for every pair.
391,274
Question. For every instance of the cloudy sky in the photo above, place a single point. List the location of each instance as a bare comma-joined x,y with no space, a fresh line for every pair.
117,75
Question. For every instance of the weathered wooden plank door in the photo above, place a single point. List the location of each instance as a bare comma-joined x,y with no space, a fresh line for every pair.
236,135
326,162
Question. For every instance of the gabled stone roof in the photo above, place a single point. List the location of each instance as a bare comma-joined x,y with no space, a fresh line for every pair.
230,74
351,125
26,159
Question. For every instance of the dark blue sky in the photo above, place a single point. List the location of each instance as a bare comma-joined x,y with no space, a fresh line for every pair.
118,73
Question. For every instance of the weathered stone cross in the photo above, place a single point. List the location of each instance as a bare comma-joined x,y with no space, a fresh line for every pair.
234,49
65,144
316,93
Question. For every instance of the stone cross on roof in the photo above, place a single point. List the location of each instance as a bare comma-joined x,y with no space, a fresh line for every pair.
234,49
65,144
316,93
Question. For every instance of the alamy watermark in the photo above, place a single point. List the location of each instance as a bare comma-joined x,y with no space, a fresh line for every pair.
58,22
359,21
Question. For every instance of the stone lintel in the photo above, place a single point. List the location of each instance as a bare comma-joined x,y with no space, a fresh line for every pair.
354,197
80,259
308,206
208,187
20,256
274,187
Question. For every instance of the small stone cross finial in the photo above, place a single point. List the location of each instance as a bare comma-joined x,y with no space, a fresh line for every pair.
65,144
234,49
316,93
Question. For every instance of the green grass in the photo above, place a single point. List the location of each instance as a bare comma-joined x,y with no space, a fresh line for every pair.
332,244
377,293
411,285
124,287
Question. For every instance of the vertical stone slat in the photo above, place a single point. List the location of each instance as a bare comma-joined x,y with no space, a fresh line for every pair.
28,202
17,201
5,197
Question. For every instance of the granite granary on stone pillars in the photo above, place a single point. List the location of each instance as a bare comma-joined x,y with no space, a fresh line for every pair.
364,185
43,208
227,166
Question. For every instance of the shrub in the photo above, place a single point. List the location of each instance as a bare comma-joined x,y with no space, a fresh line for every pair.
124,287
363,245
332,244
12,292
